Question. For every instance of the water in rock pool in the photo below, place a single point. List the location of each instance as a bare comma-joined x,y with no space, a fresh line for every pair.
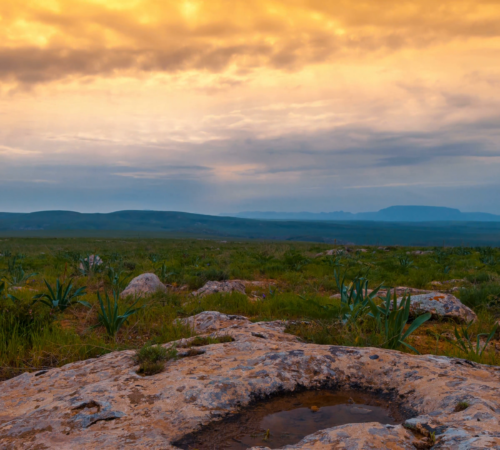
286,419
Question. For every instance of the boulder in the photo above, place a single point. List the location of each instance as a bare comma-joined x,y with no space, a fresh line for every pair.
420,252
145,284
103,403
215,287
210,321
443,306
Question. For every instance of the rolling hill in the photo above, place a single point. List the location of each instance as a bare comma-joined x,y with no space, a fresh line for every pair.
180,224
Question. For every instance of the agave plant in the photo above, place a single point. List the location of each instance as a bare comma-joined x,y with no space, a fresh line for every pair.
18,277
405,262
109,315
355,298
117,278
489,260
332,261
262,258
90,265
60,297
392,320
163,273
464,340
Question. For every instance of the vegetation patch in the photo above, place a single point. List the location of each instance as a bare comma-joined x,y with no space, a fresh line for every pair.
152,358
57,305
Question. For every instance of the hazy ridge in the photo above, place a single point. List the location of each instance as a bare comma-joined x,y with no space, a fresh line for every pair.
391,214
170,224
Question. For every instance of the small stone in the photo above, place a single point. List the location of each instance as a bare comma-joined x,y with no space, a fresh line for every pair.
215,287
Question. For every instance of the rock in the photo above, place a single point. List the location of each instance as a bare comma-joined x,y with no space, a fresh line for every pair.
103,403
441,305
21,288
145,284
93,260
444,306
214,287
332,252
448,282
210,321
420,252
400,291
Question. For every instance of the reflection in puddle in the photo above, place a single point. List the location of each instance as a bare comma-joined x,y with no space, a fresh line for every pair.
286,419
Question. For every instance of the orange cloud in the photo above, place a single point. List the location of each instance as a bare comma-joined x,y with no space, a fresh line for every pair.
48,40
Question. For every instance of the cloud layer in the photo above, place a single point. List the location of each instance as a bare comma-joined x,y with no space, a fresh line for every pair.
224,105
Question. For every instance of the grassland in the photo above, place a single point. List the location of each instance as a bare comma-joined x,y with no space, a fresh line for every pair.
296,285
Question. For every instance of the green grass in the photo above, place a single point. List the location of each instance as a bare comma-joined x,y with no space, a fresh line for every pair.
297,286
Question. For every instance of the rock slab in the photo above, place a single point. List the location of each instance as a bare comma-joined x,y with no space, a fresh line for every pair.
143,285
103,403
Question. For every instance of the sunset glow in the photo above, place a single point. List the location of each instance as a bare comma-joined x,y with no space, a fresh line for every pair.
227,105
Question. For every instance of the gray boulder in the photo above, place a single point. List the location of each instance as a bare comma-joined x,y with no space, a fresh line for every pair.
445,306
145,284
215,287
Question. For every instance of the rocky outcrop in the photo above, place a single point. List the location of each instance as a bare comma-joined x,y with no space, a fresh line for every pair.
444,306
143,285
103,403
215,287
420,252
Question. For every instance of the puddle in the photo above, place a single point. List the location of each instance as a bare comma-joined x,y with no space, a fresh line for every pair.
289,418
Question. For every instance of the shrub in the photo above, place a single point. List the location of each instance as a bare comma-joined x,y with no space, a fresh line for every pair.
479,297
462,406
151,358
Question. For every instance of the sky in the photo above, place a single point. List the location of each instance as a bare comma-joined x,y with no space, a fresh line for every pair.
215,106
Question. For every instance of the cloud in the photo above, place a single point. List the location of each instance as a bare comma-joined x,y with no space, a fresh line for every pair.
45,42
16,152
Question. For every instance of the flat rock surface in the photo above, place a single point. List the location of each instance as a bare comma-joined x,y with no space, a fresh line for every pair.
103,403
214,287
145,284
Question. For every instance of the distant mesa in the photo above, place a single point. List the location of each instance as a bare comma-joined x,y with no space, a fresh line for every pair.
391,214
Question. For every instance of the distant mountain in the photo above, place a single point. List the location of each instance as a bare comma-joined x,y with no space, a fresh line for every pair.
171,224
391,214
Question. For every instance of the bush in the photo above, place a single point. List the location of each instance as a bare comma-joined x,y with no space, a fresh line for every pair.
151,358
479,297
